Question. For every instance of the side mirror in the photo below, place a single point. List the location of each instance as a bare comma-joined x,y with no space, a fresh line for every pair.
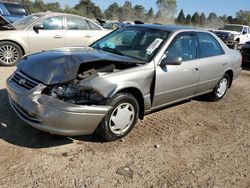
171,60
38,27
244,33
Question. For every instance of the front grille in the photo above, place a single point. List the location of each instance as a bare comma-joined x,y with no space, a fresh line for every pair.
23,81
223,36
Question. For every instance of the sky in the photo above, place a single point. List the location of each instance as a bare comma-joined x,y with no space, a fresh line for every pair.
220,7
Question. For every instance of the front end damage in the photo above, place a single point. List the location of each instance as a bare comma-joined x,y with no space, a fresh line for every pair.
70,97
53,115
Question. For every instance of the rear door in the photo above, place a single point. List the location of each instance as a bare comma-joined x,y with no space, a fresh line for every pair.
78,32
52,36
176,82
212,61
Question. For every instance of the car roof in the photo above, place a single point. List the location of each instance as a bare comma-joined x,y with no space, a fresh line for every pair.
171,28
48,13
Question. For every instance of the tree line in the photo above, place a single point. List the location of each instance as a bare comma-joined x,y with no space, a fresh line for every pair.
166,10
241,17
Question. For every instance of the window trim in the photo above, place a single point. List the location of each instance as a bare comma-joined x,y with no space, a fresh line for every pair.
199,47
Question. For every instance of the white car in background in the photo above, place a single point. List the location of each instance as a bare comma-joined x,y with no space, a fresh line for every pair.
44,31
234,35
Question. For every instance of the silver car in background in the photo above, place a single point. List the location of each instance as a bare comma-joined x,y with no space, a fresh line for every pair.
125,75
44,31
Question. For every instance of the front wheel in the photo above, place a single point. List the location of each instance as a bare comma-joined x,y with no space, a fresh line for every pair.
220,89
10,53
121,118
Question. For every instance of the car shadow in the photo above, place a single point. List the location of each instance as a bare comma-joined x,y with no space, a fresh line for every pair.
15,131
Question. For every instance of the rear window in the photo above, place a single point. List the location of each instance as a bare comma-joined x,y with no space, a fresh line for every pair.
93,26
75,23
16,9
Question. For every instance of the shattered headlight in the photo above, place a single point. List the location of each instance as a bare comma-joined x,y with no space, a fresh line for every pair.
75,94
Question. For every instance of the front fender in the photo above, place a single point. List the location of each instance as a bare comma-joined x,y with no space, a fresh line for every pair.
20,39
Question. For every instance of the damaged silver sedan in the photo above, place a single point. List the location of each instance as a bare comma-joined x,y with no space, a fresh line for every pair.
125,75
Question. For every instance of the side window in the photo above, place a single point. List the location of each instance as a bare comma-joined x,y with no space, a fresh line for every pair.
184,45
92,25
245,31
74,23
209,46
53,23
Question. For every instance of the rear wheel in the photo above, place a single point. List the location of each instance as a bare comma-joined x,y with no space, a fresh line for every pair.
121,118
220,89
10,53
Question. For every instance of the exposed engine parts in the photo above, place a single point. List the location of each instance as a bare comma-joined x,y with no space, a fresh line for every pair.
76,95
78,92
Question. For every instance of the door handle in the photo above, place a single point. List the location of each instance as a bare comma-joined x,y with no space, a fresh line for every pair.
58,37
88,36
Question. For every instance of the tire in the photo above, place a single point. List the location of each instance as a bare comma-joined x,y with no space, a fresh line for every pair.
121,119
220,89
10,53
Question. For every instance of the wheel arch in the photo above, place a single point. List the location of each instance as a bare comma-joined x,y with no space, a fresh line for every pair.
139,97
230,74
22,48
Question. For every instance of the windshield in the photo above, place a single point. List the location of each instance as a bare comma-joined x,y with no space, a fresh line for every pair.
232,28
26,21
135,42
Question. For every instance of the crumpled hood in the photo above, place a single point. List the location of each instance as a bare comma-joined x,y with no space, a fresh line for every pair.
62,65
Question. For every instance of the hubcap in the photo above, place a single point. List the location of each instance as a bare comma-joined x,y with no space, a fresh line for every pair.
8,54
222,87
122,118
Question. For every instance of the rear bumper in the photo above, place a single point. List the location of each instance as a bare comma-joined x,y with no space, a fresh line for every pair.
52,115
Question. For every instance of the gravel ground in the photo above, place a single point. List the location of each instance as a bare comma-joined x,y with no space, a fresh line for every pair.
194,144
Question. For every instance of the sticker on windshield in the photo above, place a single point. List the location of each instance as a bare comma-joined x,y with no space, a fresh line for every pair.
155,44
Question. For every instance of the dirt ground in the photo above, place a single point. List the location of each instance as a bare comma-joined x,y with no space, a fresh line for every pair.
194,144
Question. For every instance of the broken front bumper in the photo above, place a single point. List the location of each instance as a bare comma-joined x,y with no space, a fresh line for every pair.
52,115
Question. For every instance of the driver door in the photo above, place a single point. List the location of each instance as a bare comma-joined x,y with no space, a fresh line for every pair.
176,82
52,36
